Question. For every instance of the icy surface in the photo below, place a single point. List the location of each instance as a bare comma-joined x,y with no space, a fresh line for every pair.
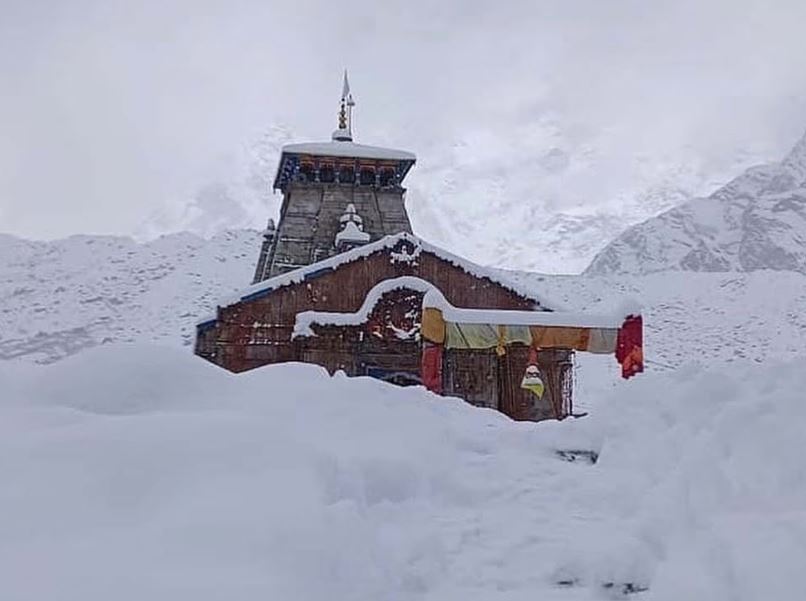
141,472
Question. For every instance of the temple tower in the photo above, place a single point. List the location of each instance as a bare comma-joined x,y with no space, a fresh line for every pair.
330,187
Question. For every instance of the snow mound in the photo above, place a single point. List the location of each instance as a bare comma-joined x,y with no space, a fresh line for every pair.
140,472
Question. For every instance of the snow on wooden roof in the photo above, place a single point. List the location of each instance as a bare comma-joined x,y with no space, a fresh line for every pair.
343,149
435,299
563,319
338,148
332,263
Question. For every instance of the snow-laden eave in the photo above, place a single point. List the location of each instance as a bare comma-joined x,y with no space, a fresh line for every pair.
332,263
349,150
345,150
304,320
206,320
561,319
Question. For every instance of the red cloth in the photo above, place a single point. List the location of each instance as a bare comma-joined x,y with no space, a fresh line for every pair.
630,346
431,367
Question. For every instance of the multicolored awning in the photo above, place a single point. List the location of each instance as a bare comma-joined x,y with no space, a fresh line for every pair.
454,328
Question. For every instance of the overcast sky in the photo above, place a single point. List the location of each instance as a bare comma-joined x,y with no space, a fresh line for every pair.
109,109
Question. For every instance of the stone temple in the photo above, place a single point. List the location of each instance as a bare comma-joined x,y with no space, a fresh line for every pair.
336,195
343,283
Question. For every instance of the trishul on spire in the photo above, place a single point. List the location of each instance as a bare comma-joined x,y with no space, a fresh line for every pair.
345,131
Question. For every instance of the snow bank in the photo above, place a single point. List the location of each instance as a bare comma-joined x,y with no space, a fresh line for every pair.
708,471
144,473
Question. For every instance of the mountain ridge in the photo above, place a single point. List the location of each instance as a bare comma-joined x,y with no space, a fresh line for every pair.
756,221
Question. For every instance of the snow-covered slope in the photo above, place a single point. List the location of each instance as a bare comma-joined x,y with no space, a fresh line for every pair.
140,472
59,297
699,317
757,221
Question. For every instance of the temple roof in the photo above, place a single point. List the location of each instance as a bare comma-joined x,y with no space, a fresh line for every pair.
387,243
340,149
350,150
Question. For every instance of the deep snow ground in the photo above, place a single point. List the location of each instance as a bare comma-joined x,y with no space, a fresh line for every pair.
139,472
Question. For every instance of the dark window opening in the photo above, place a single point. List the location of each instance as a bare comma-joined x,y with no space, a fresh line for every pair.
347,175
398,377
327,174
306,173
367,176
387,178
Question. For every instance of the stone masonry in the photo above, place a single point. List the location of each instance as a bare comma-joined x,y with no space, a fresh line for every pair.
309,221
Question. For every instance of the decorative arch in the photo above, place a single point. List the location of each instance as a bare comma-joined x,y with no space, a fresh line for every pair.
373,312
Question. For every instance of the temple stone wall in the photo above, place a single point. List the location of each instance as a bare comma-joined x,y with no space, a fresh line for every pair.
310,220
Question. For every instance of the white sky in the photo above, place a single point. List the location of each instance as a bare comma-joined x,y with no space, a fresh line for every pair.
110,108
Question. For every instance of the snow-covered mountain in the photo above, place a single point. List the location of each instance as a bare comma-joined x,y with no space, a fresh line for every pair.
757,221
57,298
545,200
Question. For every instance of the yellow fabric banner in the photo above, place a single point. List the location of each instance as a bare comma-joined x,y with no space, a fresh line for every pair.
482,336
433,326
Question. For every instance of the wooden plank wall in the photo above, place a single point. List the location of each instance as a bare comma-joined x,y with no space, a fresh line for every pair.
258,332
556,367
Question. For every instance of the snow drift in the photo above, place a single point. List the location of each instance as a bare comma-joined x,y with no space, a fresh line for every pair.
140,472
61,297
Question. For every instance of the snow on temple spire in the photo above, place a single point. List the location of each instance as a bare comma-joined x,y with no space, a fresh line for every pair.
345,131
352,232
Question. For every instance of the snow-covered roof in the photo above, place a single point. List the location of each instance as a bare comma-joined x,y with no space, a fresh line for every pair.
334,262
302,326
564,319
340,148
349,149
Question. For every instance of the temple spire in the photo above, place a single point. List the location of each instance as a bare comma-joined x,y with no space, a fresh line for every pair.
345,131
